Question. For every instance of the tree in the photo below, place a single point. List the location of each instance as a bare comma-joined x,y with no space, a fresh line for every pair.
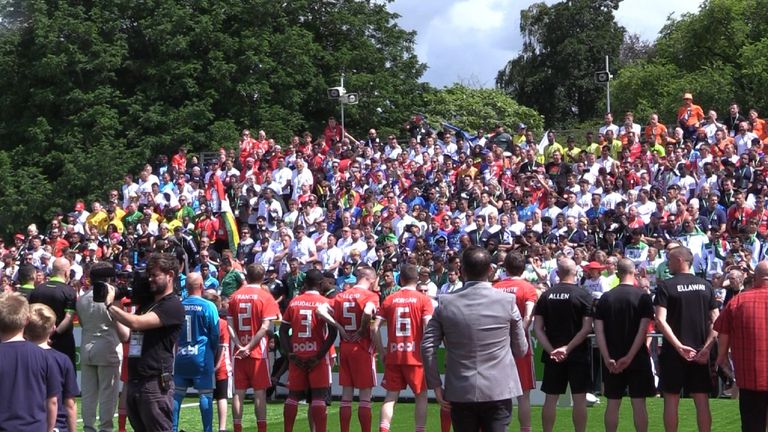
563,45
92,90
472,109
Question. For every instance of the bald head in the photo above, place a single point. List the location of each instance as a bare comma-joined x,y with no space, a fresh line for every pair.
761,275
566,270
195,284
625,269
60,268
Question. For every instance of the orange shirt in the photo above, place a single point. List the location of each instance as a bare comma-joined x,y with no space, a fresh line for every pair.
654,132
695,116
758,127
405,312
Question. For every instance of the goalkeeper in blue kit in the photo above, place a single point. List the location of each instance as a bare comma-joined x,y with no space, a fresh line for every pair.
196,352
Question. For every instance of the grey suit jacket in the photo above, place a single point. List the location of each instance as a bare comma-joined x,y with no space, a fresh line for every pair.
482,329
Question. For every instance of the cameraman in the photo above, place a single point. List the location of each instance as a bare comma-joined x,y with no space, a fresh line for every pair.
155,330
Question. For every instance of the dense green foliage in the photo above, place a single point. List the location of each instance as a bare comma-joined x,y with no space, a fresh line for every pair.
92,89
472,109
563,45
718,54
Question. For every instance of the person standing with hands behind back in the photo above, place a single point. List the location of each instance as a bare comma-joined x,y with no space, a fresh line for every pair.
154,332
622,316
685,311
562,321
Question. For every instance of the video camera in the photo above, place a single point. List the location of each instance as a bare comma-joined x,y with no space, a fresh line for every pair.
133,285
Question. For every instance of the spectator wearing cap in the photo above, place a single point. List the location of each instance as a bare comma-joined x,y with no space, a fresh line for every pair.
689,116
571,153
519,137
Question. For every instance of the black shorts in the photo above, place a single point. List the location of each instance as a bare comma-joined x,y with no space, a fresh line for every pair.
222,389
639,382
557,377
676,374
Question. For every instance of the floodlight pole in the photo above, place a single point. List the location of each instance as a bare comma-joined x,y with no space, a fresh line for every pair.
341,101
607,87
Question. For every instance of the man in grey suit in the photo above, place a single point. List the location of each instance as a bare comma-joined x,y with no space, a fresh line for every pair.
482,329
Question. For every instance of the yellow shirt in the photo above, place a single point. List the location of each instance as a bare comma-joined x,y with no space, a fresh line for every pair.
551,148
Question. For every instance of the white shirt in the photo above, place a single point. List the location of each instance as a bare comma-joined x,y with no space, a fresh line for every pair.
743,142
283,177
303,249
612,127
331,257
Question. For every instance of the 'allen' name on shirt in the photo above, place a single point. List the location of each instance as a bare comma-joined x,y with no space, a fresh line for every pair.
692,287
560,296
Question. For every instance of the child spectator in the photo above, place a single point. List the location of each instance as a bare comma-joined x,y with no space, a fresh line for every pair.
41,325
29,380
222,392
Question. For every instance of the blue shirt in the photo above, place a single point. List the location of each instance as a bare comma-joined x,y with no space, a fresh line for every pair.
69,388
198,339
28,376
526,212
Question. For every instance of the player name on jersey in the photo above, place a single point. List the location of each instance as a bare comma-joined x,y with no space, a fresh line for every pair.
692,287
560,296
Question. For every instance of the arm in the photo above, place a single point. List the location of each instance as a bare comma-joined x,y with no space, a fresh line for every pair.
433,337
723,344
528,317
71,408
623,362
52,408
686,352
144,322
246,350
603,346
541,336
66,322
703,355
324,312
377,338
562,352
123,333
518,341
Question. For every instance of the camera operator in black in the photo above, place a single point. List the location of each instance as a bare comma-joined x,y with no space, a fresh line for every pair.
154,332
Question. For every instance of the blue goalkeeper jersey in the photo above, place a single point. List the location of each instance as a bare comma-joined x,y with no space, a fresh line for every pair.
198,339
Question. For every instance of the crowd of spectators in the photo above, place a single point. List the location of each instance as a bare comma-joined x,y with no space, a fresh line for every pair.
332,202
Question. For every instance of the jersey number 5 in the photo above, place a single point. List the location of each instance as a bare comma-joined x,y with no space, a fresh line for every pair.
403,322
349,314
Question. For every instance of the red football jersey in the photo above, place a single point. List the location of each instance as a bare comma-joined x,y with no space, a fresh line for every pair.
225,368
248,307
523,291
308,329
348,308
405,312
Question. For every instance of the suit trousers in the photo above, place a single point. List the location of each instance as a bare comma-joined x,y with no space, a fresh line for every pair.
753,406
491,416
100,387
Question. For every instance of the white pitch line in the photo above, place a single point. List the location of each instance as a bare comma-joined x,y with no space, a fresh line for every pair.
182,405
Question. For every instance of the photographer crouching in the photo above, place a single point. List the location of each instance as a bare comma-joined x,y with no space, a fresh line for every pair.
154,331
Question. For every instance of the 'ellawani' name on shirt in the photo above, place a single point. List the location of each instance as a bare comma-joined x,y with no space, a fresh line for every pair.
694,287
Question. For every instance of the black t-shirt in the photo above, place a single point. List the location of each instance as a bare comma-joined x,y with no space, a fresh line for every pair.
563,308
157,351
61,298
621,310
689,300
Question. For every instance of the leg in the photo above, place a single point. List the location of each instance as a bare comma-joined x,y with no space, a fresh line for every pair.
237,409
753,408
464,417
364,409
703,414
495,416
611,417
524,411
290,409
260,408
178,398
421,410
319,409
122,408
671,403
579,413
206,409
445,420
221,406
387,409
549,412
345,407
109,376
640,414
89,395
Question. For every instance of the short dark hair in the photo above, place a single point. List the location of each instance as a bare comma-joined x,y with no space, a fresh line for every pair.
475,262
514,264
409,274
254,273
313,280
164,262
27,274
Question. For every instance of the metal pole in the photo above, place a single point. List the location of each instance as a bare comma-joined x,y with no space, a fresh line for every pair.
341,100
607,86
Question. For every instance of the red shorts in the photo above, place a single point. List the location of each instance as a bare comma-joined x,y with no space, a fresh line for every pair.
317,378
124,364
357,368
397,377
525,371
252,373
